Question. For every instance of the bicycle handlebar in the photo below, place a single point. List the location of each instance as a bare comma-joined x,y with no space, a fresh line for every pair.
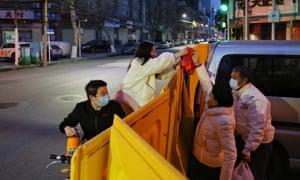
61,158
58,159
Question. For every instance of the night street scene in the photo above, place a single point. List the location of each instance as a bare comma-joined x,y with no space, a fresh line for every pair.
191,89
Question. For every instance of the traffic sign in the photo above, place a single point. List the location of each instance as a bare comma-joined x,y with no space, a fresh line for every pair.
273,16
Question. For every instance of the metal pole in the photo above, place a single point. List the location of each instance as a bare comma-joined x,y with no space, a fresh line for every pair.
144,21
273,23
228,29
228,25
49,46
246,23
79,40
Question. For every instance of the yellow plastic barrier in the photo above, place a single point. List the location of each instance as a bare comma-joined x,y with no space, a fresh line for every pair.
89,162
132,158
202,51
166,124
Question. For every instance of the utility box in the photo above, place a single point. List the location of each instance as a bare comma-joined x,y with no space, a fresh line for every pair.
35,53
25,56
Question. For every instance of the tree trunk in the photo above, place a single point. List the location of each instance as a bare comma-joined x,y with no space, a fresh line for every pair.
75,28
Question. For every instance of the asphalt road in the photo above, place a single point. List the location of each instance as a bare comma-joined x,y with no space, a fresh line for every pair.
32,104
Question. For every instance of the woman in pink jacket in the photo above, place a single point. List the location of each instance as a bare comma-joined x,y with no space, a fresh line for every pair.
214,150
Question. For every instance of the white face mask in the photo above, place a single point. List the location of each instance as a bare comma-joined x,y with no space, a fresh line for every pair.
233,83
104,100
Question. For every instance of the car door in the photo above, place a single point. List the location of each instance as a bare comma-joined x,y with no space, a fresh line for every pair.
7,50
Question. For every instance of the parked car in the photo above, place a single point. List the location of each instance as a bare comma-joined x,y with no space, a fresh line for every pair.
7,50
198,40
162,45
183,42
96,46
171,42
213,40
55,52
177,42
130,47
64,46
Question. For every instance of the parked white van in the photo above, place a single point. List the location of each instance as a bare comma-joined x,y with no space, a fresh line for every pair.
275,70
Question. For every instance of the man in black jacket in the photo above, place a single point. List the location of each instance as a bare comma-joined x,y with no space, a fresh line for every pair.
95,114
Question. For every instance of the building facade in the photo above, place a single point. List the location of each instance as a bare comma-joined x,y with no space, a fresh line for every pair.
118,21
283,14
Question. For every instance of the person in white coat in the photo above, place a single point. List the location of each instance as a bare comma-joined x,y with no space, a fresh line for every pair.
253,122
145,68
214,149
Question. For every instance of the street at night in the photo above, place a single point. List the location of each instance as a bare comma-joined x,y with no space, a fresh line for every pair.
32,104
245,56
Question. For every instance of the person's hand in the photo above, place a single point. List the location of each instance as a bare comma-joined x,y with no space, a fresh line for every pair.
196,59
180,53
246,157
70,131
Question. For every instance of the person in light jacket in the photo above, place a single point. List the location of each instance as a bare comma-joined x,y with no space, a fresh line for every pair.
214,149
145,68
253,122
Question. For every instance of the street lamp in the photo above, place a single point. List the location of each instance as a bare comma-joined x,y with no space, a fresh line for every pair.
187,23
79,35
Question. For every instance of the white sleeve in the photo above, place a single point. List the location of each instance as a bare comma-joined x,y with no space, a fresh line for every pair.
160,63
204,78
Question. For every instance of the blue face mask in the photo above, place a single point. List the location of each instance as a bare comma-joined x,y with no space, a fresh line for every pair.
104,100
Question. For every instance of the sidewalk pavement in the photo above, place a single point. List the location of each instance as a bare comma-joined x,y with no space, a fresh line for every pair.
12,66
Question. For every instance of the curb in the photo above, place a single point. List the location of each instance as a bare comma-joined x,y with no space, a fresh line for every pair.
12,67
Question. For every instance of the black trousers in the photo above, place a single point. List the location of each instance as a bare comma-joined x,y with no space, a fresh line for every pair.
259,158
197,170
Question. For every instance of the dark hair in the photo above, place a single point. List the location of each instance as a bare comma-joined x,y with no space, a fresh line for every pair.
244,73
92,86
223,94
144,51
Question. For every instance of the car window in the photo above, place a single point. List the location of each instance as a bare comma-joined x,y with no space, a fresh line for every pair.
100,42
10,45
274,75
92,42
54,47
24,45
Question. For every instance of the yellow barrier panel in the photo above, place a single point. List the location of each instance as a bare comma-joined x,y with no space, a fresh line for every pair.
166,123
132,158
202,51
89,162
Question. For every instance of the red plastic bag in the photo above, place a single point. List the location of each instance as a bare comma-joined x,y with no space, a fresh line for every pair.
187,62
